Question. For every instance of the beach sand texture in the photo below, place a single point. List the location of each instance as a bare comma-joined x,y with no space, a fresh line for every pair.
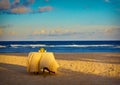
75,69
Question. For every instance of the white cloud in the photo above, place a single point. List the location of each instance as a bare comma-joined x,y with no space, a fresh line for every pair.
59,33
12,33
96,28
4,4
83,32
112,31
20,10
53,32
18,7
40,32
45,8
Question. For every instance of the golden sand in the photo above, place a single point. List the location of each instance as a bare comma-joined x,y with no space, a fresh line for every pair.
104,64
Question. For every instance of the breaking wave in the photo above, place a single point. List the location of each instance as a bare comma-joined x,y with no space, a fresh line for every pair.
2,46
60,46
43,45
29,45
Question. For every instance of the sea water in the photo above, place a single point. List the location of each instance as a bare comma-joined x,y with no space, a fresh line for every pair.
59,46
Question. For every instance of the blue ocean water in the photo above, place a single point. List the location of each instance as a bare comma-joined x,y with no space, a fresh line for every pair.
59,46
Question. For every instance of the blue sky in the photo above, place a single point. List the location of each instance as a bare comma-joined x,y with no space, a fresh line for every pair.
59,20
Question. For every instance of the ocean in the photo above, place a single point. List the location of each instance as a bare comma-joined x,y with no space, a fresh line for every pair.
59,46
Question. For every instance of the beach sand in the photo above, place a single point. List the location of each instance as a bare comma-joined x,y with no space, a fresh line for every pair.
75,69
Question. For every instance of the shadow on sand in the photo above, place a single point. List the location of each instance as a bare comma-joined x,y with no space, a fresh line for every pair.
17,75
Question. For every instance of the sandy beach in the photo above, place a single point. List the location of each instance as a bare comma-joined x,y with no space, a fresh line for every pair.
75,69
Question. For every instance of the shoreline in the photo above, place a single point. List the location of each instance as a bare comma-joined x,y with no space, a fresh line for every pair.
17,53
76,68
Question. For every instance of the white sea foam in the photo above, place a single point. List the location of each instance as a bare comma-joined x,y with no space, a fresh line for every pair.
2,46
105,45
29,45
43,45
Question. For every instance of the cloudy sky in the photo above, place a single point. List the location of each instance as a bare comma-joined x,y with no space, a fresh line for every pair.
59,20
